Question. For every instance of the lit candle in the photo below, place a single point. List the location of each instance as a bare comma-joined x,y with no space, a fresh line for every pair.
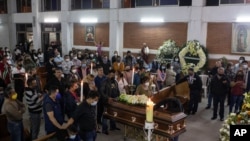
133,73
91,68
81,94
26,79
149,110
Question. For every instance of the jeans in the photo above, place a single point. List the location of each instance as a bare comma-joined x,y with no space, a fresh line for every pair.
16,130
209,100
219,100
35,120
88,136
105,124
237,101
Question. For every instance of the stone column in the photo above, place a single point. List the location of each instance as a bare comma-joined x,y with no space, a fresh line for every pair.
197,29
37,35
115,29
11,5
65,26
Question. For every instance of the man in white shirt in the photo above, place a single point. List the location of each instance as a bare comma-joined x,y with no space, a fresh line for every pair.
58,59
66,65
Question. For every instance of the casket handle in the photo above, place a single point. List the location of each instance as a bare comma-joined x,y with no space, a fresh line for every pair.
133,119
170,129
178,126
115,114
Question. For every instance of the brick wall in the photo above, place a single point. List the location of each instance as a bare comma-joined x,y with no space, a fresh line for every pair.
101,34
154,35
219,36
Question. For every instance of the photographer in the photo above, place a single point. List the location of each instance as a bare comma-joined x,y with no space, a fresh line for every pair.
219,90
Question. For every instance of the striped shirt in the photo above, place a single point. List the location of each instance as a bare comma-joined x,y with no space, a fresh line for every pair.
33,100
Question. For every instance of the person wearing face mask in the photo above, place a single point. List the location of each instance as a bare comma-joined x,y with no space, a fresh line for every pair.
53,116
106,64
219,89
122,83
34,101
18,73
230,75
28,62
85,117
73,133
114,57
161,76
66,65
170,75
118,65
237,90
139,61
58,59
76,61
71,98
129,59
237,65
88,84
177,67
40,57
195,86
14,110
74,75
144,87
5,69
109,91
50,67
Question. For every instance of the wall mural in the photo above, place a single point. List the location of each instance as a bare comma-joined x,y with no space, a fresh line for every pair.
240,38
90,33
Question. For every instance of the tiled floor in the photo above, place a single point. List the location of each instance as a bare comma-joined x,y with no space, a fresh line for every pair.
199,127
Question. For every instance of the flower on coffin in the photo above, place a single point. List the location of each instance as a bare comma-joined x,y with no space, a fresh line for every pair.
134,99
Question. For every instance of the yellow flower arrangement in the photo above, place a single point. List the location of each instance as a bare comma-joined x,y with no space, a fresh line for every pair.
194,51
242,118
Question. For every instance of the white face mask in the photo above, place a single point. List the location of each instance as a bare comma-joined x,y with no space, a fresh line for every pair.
115,54
74,71
91,55
94,103
58,55
147,84
9,62
72,136
62,75
67,60
75,57
240,61
245,66
176,60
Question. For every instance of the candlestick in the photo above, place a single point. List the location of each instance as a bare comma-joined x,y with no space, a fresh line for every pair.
91,68
81,94
149,110
133,73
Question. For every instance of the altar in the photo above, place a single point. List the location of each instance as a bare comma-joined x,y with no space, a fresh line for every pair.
166,124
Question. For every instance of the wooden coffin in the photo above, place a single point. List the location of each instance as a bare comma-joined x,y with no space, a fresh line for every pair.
166,124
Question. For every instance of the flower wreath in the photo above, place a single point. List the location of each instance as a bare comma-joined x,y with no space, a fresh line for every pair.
192,55
167,51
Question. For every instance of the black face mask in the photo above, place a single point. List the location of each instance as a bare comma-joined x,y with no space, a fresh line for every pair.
20,65
220,74
112,78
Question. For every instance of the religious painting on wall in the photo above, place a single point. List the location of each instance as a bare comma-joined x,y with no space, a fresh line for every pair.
241,38
90,33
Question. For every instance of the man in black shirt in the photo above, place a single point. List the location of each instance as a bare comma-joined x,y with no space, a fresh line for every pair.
85,117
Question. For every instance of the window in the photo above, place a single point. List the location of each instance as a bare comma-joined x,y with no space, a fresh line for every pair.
23,6
51,5
144,2
185,2
231,1
89,4
24,33
212,3
3,7
168,2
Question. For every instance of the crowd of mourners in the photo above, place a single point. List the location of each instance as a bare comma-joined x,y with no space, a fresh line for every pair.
79,85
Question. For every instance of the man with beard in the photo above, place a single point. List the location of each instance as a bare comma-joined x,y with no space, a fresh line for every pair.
109,92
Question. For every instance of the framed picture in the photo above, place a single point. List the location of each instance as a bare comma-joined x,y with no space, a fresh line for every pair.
90,33
241,38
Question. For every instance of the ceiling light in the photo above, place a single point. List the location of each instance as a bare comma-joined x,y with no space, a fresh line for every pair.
88,20
243,19
152,20
51,20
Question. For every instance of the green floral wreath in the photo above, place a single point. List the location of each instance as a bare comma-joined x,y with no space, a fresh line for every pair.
167,51
192,55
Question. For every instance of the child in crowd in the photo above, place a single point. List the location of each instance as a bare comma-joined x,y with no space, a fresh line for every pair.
72,134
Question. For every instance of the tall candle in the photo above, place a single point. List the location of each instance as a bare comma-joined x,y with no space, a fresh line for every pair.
133,73
91,68
26,79
149,110
81,94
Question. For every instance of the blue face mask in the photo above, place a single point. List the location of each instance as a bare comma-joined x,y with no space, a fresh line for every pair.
83,65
